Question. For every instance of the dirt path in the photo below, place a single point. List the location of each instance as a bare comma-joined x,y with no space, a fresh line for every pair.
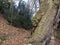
15,35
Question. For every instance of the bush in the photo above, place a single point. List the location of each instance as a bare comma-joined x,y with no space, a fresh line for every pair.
20,16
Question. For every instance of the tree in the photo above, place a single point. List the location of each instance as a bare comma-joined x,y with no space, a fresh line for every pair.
42,29
20,16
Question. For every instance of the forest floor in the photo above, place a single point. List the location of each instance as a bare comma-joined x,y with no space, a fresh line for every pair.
10,35
57,41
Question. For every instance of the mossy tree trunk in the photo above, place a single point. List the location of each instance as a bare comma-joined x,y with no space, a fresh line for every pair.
45,27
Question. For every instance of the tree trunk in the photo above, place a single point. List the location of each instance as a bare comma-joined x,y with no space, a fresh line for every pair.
45,27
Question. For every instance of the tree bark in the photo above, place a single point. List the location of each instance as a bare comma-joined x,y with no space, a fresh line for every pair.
45,27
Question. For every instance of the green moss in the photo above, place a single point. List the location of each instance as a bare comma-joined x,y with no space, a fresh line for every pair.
43,9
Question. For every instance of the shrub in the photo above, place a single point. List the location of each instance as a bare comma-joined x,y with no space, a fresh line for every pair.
20,16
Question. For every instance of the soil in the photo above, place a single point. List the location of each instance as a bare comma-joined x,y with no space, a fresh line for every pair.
16,36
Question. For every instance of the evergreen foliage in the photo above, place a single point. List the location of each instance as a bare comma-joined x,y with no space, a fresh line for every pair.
20,16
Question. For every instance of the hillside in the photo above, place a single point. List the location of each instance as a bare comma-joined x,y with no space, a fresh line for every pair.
45,31
10,35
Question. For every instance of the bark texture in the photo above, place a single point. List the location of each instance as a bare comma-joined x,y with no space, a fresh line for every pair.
44,31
